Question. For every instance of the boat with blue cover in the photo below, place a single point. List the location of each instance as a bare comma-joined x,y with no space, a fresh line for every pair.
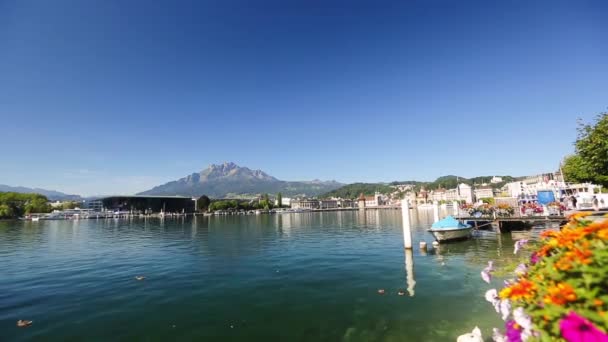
450,229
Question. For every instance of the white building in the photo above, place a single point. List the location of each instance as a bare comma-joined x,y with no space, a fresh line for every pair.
286,201
484,192
304,204
495,180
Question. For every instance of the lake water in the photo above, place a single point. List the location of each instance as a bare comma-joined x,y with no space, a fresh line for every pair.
284,277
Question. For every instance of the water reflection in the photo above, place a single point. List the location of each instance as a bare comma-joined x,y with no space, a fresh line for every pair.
409,271
206,272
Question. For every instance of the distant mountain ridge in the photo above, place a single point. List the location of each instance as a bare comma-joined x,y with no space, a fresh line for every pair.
50,194
229,180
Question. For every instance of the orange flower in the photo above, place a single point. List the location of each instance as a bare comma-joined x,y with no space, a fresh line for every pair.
580,215
548,233
598,302
560,294
522,289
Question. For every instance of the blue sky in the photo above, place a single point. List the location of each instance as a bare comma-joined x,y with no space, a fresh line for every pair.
101,97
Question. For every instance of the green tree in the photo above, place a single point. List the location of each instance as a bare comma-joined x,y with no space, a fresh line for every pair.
280,200
592,147
575,170
70,205
203,203
6,211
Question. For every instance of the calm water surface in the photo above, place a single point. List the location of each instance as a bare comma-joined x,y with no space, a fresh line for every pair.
289,277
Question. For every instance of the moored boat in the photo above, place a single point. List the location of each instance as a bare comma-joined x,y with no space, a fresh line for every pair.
450,229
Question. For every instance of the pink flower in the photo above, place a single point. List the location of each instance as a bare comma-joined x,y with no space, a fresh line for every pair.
534,258
513,334
575,328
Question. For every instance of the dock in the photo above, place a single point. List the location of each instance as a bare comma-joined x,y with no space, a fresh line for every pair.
508,224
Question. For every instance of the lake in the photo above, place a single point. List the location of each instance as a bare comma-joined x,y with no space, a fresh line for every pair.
283,277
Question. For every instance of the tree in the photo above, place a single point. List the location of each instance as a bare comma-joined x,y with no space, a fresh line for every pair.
203,203
592,147
575,170
279,200
6,211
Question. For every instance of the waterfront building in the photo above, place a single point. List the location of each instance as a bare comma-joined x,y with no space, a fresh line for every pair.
285,201
304,203
328,204
483,191
422,197
346,203
94,205
463,192
438,195
372,201
148,204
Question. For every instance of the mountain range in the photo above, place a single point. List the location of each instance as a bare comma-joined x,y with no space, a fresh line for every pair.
229,180
50,194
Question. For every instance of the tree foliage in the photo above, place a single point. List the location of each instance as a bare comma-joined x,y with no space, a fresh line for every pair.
354,190
575,170
13,204
203,203
279,200
592,151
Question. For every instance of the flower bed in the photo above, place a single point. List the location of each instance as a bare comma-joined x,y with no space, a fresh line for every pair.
504,210
487,210
561,293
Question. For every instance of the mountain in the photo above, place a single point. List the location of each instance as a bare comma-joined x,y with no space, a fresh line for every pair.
50,194
229,180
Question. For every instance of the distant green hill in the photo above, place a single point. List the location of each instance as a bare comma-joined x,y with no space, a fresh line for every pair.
356,189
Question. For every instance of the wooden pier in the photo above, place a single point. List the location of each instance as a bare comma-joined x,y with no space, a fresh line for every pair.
508,224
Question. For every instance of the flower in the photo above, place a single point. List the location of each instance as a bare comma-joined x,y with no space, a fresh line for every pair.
519,244
485,273
505,309
513,332
534,258
522,289
521,269
560,294
522,319
497,336
575,328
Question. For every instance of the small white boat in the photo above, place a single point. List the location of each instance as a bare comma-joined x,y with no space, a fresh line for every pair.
450,229
35,218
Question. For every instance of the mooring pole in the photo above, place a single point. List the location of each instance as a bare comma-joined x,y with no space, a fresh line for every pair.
407,229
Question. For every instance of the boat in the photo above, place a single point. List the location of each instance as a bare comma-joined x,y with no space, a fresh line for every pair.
450,229
35,218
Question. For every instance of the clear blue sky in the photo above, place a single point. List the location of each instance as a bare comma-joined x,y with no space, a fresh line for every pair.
100,97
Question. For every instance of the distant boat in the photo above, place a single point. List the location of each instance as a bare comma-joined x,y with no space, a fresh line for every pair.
35,218
450,229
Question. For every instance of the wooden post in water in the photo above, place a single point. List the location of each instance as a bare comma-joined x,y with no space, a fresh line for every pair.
409,270
407,229
435,211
